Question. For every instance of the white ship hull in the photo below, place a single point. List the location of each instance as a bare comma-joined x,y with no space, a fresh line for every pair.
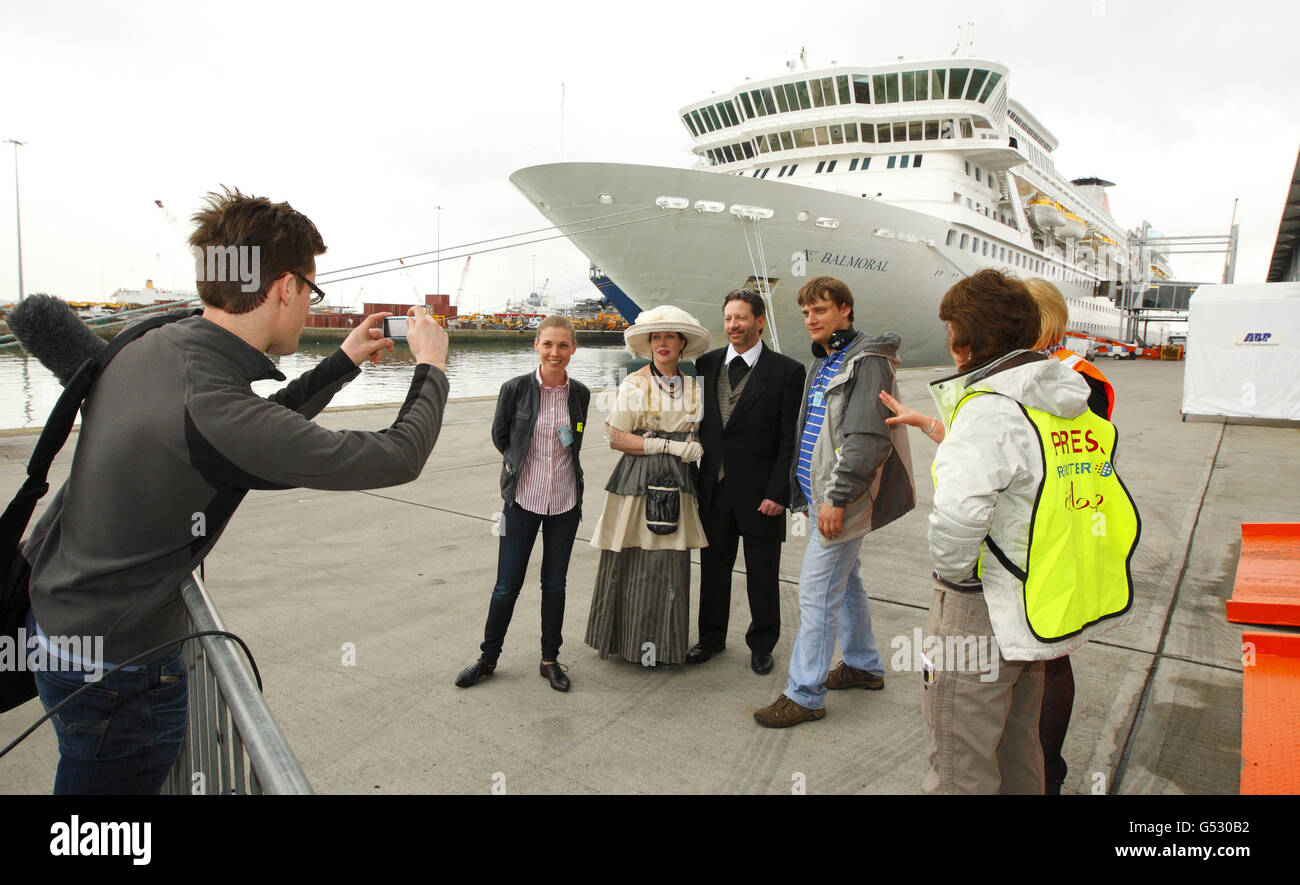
892,258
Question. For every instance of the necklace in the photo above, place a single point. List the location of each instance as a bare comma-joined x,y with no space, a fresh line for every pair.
670,385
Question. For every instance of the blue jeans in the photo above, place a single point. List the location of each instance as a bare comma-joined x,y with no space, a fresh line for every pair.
519,531
832,601
123,734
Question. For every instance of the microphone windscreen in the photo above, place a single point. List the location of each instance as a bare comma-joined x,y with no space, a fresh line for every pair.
52,332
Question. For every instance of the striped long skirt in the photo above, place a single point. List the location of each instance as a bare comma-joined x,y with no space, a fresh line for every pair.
641,606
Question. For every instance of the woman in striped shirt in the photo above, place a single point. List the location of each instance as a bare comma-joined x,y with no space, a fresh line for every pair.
538,427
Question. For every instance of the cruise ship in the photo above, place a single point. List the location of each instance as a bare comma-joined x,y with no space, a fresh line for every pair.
899,179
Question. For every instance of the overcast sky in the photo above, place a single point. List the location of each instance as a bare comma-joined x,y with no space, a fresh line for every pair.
366,116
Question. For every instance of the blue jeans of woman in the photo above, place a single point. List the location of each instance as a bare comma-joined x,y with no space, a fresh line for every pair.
519,529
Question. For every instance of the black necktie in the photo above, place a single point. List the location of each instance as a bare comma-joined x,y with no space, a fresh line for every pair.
736,371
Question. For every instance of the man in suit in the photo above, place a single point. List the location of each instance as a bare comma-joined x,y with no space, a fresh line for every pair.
751,405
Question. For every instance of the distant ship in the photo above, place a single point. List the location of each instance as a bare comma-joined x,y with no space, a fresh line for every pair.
898,179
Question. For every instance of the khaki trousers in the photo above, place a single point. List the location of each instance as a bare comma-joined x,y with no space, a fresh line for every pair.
981,712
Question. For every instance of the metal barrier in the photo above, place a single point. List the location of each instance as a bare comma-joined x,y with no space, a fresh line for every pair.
232,744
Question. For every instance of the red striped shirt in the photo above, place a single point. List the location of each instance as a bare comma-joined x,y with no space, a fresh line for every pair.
547,484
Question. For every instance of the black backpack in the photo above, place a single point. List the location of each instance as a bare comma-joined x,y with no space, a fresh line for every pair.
17,685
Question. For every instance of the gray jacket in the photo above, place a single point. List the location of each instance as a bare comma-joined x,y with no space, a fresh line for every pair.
859,462
172,438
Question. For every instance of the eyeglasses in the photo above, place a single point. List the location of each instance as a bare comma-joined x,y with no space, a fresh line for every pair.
317,295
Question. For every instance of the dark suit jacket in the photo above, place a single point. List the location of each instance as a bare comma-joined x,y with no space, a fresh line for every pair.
756,446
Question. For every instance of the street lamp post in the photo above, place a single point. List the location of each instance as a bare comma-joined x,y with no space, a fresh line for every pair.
18,214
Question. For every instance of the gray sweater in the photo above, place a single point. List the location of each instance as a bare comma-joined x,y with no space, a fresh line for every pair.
172,438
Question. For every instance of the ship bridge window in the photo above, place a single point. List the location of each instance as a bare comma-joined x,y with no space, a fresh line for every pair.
909,85
957,82
822,137
866,161
804,138
862,89
900,132
916,162
891,84
748,149
994,77
713,116
731,112
786,141
761,141
914,130
801,90
931,130
689,125
868,133
903,164
967,131
699,124
878,88
768,102
837,134
726,152
892,160
791,97
781,103
745,104
842,81
823,91
977,79
853,164
850,131
936,83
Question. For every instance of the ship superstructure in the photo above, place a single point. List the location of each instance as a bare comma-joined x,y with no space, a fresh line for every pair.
898,178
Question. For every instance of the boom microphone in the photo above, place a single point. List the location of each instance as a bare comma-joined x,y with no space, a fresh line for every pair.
52,332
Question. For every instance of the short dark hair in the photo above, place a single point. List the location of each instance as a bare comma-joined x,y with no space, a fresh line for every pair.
750,297
991,313
285,240
826,289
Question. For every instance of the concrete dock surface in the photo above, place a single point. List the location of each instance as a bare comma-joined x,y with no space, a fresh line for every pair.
404,574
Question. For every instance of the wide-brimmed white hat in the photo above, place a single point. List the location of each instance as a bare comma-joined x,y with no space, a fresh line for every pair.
666,318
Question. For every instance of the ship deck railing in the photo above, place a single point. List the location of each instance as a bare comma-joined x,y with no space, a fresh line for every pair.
232,744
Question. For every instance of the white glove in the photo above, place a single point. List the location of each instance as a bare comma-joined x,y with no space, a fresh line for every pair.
655,446
690,452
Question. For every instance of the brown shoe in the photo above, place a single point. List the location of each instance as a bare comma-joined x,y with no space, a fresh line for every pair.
783,712
844,676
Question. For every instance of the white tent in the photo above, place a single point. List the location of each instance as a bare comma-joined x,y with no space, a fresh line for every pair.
1243,351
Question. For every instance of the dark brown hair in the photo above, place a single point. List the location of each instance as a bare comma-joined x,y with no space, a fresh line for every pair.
281,238
750,297
826,289
991,313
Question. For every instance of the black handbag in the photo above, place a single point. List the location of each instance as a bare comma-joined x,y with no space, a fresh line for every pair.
17,685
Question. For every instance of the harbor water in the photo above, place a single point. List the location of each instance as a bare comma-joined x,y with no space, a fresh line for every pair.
28,390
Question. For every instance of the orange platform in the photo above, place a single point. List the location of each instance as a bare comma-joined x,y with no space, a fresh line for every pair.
1267,590
1270,713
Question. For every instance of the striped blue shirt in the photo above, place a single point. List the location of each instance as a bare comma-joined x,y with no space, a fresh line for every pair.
812,427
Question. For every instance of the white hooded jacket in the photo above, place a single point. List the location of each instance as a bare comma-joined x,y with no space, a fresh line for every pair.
987,473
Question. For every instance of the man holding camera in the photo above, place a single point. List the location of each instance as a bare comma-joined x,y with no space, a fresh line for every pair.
172,438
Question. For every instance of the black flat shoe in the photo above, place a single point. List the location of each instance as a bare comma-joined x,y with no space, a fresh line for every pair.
475,673
761,664
554,673
700,653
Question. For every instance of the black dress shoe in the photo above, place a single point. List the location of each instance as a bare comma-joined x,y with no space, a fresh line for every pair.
555,674
475,673
700,653
761,664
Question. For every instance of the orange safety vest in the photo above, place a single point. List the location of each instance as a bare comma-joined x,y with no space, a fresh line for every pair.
1083,367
